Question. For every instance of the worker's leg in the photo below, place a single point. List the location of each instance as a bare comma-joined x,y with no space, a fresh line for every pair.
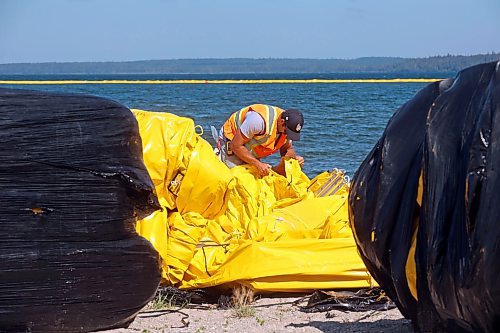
226,156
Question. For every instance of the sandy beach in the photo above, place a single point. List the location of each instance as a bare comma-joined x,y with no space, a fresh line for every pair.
267,314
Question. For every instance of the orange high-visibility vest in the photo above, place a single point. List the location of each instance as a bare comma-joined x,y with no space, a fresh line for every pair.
260,145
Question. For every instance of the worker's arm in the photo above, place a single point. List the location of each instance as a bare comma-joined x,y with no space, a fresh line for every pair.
287,151
239,149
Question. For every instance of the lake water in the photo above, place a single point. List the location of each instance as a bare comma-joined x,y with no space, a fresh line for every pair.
343,121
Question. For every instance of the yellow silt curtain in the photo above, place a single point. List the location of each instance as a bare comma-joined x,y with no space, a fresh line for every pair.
223,227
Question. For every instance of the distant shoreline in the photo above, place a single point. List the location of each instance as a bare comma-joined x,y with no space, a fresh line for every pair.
375,65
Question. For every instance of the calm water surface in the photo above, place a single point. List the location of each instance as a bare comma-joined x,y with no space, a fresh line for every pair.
342,121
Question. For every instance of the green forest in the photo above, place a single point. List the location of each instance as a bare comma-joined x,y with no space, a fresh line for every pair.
447,63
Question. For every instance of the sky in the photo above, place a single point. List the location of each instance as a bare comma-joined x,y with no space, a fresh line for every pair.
125,30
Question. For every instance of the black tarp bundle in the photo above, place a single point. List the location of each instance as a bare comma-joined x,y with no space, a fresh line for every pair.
72,184
434,175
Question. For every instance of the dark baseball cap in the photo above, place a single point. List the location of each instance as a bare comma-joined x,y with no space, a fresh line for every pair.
294,120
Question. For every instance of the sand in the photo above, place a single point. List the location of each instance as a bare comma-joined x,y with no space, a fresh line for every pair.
265,315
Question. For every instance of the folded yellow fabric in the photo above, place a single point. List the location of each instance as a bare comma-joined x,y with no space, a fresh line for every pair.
221,227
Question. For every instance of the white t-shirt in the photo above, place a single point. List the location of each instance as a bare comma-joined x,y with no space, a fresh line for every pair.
252,125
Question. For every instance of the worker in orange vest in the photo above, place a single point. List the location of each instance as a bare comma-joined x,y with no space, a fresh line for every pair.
257,131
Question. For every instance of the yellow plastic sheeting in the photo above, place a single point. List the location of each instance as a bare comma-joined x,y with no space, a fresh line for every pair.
227,227
250,196
411,265
175,237
294,265
186,173
307,245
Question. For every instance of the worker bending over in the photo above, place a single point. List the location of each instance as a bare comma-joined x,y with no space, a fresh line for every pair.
257,131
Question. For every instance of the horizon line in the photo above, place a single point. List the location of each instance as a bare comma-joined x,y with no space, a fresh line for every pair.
258,58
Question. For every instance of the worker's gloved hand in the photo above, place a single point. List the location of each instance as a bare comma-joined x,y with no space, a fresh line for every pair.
263,168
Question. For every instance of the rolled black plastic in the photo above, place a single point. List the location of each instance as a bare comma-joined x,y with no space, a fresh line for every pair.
72,185
434,175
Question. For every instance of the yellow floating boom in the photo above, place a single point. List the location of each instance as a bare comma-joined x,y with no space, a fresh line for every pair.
300,81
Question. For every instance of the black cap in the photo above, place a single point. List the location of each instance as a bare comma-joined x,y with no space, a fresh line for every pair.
294,120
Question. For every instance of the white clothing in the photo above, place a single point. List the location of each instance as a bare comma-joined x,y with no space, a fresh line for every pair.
252,125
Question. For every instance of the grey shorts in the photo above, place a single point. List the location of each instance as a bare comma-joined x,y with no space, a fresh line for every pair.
231,160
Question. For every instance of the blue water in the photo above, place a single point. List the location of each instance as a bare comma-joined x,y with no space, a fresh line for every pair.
343,121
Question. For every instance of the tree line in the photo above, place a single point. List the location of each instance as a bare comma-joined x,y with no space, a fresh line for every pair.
446,63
